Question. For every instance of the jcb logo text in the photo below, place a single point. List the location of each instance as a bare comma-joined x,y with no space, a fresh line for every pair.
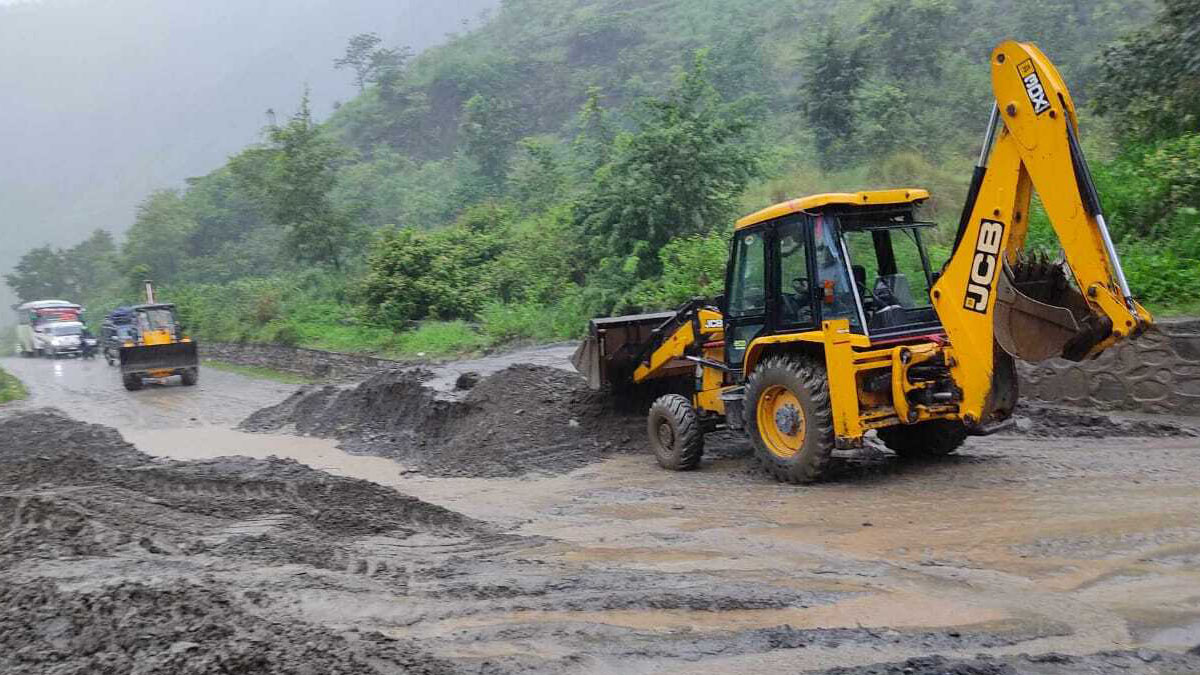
984,265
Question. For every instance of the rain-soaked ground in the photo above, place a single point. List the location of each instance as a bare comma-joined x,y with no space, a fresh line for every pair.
1065,545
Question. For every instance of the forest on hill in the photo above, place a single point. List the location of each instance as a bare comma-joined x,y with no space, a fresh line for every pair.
572,158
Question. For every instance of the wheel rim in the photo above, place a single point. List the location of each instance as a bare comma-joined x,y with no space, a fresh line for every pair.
781,421
666,436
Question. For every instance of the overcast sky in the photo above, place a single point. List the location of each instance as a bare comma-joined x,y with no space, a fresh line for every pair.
103,101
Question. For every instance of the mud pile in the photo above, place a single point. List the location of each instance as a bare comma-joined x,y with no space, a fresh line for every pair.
1044,421
179,627
111,561
1139,662
522,419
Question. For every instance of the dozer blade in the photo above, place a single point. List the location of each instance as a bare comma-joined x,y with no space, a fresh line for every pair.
1036,329
148,358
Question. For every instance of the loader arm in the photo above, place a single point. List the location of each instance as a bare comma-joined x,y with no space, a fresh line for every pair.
989,294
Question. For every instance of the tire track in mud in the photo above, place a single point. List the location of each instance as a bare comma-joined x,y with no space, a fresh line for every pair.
109,557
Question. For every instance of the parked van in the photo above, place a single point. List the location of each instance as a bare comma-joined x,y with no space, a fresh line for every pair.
34,318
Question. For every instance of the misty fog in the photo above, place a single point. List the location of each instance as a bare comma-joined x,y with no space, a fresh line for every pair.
106,100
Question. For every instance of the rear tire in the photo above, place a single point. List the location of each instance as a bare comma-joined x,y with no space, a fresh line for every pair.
675,433
935,438
789,418
133,382
190,377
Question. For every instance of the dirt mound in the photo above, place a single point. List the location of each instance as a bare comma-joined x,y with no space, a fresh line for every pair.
1043,421
43,435
524,418
179,627
112,561
1139,662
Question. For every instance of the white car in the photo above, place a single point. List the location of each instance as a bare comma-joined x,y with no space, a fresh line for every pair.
33,319
56,340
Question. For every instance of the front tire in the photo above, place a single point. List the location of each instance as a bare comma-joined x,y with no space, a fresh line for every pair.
133,382
789,418
675,433
935,438
190,377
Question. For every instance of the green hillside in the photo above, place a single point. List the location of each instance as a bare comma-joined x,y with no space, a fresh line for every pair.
570,158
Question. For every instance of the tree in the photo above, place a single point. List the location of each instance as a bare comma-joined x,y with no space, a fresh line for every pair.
833,68
537,180
371,63
594,135
490,130
358,57
1150,81
910,36
159,236
93,263
680,173
414,275
224,210
40,274
294,177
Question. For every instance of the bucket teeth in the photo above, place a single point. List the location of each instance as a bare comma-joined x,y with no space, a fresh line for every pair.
1038,313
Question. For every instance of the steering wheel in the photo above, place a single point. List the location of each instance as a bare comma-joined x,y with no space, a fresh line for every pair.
883,295
803,287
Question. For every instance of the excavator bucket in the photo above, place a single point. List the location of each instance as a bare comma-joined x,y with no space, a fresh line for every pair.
1039,314
150,358
614,345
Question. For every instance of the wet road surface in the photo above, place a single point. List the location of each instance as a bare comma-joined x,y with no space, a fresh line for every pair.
1068,545
91,391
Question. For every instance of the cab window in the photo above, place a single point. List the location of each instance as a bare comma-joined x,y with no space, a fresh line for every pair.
833,280
893,275
748,294
795,281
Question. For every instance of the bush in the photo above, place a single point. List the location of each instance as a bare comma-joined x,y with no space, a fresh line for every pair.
439,338
11,388
562,320
692,267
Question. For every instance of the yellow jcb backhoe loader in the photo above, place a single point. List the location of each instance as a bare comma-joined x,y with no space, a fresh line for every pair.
158,347
834,321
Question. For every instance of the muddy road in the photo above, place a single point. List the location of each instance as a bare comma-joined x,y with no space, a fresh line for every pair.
91,391
446,542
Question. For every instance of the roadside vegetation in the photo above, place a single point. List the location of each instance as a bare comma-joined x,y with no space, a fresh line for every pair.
567,160
257,372
11,388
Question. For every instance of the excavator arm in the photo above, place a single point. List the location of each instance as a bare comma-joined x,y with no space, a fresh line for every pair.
989,294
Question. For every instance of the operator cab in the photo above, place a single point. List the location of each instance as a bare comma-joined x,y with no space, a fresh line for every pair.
858,256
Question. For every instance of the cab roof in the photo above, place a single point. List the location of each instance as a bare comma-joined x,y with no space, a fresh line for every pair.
846,199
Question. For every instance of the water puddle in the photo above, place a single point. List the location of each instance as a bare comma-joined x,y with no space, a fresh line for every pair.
212,442
1176,637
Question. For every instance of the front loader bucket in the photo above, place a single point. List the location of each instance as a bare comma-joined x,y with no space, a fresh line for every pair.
1040,315
614,345
149,358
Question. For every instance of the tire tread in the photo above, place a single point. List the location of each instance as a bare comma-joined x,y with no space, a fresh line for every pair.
807,467
689,436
